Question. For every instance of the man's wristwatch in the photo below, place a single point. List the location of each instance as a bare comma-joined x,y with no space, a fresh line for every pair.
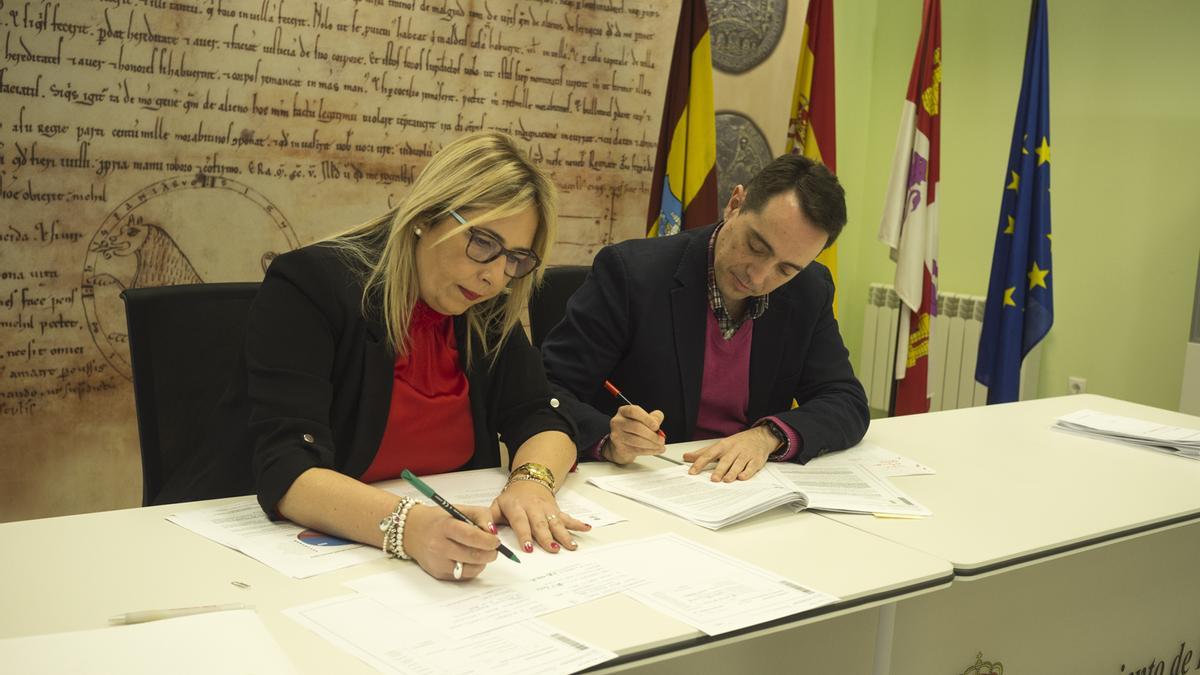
780,436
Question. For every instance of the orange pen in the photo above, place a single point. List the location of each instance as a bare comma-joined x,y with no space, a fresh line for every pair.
612,389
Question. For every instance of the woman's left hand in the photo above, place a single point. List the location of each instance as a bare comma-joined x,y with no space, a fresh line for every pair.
530,510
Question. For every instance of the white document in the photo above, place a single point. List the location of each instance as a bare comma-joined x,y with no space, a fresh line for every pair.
700,500
504,594
393,643
480,487
879,460
852,488
232,642
1179,441
705,588
282,545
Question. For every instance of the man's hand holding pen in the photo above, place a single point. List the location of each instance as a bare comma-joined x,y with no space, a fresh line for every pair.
633,432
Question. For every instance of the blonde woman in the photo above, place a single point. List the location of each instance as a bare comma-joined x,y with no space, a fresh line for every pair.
398,345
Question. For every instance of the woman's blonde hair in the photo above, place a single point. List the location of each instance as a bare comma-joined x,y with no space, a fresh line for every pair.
482,171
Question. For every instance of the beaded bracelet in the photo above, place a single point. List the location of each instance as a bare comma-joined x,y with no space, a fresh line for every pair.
393,529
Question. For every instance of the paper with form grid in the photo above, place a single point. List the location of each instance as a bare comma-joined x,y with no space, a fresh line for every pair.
394,643
697,585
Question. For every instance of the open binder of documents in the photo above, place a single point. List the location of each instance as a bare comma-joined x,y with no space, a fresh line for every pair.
1180,441
714,505
698,499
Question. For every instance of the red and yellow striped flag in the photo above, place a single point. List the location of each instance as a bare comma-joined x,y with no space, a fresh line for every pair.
684,192
812,128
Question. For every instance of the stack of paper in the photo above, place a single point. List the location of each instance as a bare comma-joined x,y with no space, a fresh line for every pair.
1180,441
699,499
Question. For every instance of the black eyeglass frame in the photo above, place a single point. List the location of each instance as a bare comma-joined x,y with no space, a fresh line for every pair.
512,259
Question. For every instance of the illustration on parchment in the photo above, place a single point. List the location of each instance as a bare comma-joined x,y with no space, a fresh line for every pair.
182,230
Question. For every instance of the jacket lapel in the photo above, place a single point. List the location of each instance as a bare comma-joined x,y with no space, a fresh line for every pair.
689,307
766,353
376,400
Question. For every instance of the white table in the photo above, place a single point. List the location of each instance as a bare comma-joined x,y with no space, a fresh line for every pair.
72,573
1071,554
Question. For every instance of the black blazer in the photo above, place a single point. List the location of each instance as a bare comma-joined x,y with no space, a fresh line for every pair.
314,384
639,320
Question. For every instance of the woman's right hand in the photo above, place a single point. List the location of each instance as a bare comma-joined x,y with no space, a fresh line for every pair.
436,540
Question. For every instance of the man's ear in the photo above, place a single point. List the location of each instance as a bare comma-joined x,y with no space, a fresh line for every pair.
736,199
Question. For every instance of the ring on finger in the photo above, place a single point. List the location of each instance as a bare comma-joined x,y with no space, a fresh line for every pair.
458,569
551,518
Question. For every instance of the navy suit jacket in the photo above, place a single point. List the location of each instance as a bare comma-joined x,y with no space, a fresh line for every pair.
639,320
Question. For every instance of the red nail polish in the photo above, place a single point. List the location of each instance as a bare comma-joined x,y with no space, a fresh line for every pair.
492,528
528,547
554,545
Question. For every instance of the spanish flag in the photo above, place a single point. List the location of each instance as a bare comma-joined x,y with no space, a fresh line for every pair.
684,192
812,127
910,215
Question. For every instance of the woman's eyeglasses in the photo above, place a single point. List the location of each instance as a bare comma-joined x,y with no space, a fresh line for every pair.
484,247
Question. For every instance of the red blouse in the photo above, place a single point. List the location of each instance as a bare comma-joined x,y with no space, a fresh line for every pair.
429,427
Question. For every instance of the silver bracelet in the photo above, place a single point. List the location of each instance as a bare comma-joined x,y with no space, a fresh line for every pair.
393,529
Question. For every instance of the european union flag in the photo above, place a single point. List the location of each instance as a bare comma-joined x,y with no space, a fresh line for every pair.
1020,300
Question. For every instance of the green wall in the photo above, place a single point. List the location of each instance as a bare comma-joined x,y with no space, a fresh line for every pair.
1125,138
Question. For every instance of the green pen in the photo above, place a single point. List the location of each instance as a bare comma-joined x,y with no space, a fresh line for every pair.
449,508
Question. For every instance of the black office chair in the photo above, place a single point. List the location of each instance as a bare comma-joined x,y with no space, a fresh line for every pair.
184,342
548,303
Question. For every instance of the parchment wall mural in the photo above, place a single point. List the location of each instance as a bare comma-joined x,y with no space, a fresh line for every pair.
149,142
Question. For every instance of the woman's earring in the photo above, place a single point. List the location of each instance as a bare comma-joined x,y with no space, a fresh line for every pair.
418,231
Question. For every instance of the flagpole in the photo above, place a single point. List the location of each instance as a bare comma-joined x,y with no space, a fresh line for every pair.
895,383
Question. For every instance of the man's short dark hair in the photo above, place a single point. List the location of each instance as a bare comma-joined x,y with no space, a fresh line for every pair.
822,198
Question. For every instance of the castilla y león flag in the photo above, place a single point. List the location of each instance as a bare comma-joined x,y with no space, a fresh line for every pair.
910,215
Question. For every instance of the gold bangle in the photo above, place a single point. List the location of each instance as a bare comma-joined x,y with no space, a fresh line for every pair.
533,471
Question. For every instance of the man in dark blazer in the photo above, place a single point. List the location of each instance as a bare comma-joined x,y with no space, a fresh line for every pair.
716,331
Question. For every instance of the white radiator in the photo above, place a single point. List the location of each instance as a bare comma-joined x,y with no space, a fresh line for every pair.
953,349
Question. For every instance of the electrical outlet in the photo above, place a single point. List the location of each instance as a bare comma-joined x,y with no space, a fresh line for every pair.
1076,385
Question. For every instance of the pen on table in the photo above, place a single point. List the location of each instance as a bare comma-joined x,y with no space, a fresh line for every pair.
612,389
159,614
449,508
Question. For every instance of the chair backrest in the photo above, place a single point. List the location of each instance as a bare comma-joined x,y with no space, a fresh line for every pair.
548,303
184,343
